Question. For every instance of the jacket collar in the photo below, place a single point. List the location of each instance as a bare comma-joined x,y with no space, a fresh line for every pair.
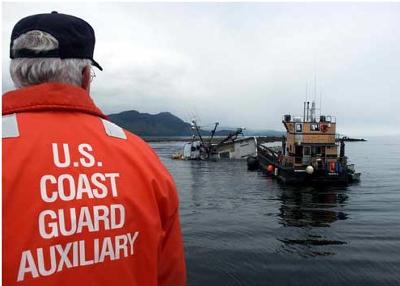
49,97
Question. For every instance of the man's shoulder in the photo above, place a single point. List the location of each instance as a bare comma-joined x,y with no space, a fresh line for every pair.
135,144
133,140
69,126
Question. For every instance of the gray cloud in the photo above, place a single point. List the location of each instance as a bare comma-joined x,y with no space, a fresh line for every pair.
244,64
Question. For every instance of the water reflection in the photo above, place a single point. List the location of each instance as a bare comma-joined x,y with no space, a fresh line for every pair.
311,207
243,228
307,212
198,177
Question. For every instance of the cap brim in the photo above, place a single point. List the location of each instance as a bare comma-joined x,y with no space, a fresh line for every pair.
96,64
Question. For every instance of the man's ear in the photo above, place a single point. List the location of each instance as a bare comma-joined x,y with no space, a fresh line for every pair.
86,78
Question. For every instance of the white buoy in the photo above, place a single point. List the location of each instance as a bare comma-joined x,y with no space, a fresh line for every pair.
309,170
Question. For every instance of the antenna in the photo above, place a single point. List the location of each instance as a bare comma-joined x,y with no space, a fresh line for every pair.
315,79
306,90
304,109
320,102
315,86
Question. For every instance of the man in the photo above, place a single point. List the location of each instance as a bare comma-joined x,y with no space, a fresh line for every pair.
84,201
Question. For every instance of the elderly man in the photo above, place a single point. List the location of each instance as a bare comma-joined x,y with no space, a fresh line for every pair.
84,201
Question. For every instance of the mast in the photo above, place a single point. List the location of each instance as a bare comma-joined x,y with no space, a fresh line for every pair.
312,112
197,131
213,131
211,138
320,102
315,84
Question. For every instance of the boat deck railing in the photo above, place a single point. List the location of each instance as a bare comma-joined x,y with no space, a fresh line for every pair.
269,155
300,119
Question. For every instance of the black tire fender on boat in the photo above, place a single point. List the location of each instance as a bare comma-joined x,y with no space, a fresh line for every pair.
252,163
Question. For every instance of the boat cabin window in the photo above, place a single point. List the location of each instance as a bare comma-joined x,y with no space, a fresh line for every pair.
224,155
299,127
314,127
318,151
194,148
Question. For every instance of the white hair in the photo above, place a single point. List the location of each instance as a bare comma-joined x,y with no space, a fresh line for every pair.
31,71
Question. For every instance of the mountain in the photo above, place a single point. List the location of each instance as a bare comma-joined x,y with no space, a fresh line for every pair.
145,124
165,124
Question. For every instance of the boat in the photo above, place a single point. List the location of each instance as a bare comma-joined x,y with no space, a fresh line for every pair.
233,146
309,153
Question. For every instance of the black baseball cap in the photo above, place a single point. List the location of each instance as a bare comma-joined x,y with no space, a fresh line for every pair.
75,37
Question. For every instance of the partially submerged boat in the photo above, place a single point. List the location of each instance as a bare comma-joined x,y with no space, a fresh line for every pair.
308,154
233,146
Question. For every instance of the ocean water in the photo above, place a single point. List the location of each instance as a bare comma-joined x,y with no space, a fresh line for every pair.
243,228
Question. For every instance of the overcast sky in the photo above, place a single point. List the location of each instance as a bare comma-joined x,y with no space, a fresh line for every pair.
243,64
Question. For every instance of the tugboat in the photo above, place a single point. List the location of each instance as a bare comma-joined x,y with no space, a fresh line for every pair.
309,152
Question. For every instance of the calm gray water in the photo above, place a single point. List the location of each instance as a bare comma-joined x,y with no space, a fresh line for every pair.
243,228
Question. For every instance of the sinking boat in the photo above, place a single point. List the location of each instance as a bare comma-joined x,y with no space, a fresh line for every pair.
234,146
308,154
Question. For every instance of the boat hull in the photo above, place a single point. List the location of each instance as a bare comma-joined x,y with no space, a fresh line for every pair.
292,176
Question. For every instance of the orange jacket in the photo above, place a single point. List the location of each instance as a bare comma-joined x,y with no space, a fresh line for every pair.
84,201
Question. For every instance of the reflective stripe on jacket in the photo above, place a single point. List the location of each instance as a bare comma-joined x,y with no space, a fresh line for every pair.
84,201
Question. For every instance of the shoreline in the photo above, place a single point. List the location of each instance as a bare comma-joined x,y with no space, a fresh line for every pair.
264,139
